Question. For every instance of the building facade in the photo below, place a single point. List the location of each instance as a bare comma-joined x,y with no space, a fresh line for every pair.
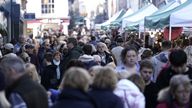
49,15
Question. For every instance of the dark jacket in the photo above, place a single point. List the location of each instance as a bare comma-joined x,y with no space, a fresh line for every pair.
73,98
33,94
106,98
166,74
49,77
74,53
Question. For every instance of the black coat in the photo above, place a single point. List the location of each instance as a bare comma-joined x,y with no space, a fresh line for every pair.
166,74
49,77
33,94
106,98
73,98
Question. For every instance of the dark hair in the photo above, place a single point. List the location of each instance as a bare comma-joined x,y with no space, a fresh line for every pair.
75,63
177,57
48,56
124,52
166,44
146,64
72,40
146,54
87,49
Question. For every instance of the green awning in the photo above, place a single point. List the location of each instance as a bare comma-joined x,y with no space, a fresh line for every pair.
162,19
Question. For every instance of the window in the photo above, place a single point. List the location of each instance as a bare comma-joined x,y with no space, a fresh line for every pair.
47,6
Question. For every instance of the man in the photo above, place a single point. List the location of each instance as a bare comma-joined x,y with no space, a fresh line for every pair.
150,92
178,65
74,52
21,91
159,61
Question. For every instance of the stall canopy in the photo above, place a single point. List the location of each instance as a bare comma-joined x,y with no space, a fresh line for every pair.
139,15
163,19
119,20
113,18
182,17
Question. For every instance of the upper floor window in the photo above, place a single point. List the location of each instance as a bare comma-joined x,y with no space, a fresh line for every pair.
47,6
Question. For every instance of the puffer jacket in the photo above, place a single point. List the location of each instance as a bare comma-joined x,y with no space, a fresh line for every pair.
130,94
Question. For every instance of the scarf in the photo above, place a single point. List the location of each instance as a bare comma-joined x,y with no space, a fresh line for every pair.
57,69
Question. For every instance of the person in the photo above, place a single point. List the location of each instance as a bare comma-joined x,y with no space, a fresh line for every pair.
106,57
4,103
102,89
177,95
31,70
21,90
188,51
129,60
74,52
160,60
178,65
86,58
8,49
150,92
116,51
74,89
138,81
52,73
130,94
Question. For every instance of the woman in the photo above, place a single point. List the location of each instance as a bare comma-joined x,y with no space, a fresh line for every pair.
177,95
31,70
129,62
102,89
74,86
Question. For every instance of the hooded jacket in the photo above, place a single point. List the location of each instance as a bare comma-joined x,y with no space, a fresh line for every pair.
130,94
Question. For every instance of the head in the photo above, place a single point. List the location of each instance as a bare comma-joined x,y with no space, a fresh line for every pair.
119,41
57,56
146,70
166,45
76,78
178,60
32,72
22,39
129,56
29,48
101,47
87,49
180,88
97,59
25,57
147,54
75,63
105,79
8,48
71,42
48,57
13,68
138,81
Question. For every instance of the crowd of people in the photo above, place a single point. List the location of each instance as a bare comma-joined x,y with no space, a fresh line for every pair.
94,72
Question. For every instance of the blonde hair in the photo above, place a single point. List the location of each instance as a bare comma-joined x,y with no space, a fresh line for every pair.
105,79
138,81
32,72
77,78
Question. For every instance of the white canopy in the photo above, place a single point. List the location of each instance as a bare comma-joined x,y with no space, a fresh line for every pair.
113,18
139,15
182,17
129,12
